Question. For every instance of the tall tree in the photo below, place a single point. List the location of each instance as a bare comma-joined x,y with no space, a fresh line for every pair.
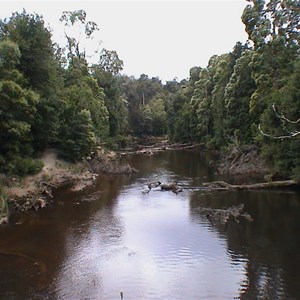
106,73
41,71
79,137
82,94
273,27
78,30
237,100
267,21
17,111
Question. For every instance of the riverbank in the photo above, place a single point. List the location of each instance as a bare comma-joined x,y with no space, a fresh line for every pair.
242,160
35,192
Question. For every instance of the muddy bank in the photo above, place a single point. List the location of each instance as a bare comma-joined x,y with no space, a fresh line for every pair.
35,192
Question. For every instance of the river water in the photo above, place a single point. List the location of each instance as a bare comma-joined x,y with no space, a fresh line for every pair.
114,238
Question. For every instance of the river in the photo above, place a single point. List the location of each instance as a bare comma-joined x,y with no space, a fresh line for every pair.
114,238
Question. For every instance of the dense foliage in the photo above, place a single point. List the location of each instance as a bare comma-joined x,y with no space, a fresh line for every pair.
52,96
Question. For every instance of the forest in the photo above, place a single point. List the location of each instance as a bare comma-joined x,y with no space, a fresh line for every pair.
51,96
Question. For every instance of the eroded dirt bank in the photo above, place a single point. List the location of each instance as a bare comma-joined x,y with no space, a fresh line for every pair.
34,192
243,160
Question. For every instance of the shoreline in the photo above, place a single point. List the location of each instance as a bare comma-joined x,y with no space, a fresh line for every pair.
35,191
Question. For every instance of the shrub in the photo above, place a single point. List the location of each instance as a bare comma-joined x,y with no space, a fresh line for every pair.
27,166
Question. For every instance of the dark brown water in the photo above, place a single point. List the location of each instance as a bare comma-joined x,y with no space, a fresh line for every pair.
158,245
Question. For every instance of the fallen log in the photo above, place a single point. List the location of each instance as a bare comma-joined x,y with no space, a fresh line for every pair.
190,146
221,185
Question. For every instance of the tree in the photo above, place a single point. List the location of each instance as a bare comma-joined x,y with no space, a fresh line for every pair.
77,27
110,62
201,102
40,69
273,27
17,111
159,117
237,100
267,21
34,41
138,94
285,121
105,72
79,137
85,93
279,125
82,93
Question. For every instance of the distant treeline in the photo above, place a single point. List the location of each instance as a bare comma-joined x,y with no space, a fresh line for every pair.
52,97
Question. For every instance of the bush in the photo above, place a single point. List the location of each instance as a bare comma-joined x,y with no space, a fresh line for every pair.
78,137
118,142
27,166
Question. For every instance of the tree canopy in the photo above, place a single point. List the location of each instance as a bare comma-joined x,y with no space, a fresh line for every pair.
52,96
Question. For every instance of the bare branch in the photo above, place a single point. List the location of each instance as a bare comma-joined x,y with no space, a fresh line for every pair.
282,117
289,136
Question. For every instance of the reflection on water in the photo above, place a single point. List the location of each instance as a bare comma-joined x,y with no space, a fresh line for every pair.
158,245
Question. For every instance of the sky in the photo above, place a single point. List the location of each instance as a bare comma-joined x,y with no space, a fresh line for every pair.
159,38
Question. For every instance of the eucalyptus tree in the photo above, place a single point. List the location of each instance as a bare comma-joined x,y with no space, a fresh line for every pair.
139,93
82,92
273,27
221,71
78,31
201,101
82,95
238,92
266,21
106,72
159,116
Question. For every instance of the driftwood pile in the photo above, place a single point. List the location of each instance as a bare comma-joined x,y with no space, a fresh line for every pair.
173,187
222,216
33,200
213,215
242,160
107,163
162,146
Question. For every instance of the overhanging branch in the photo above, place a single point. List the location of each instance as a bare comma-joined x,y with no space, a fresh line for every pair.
282,117
281,137
284,120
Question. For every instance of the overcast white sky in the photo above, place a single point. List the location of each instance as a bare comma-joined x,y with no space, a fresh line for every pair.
157,38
